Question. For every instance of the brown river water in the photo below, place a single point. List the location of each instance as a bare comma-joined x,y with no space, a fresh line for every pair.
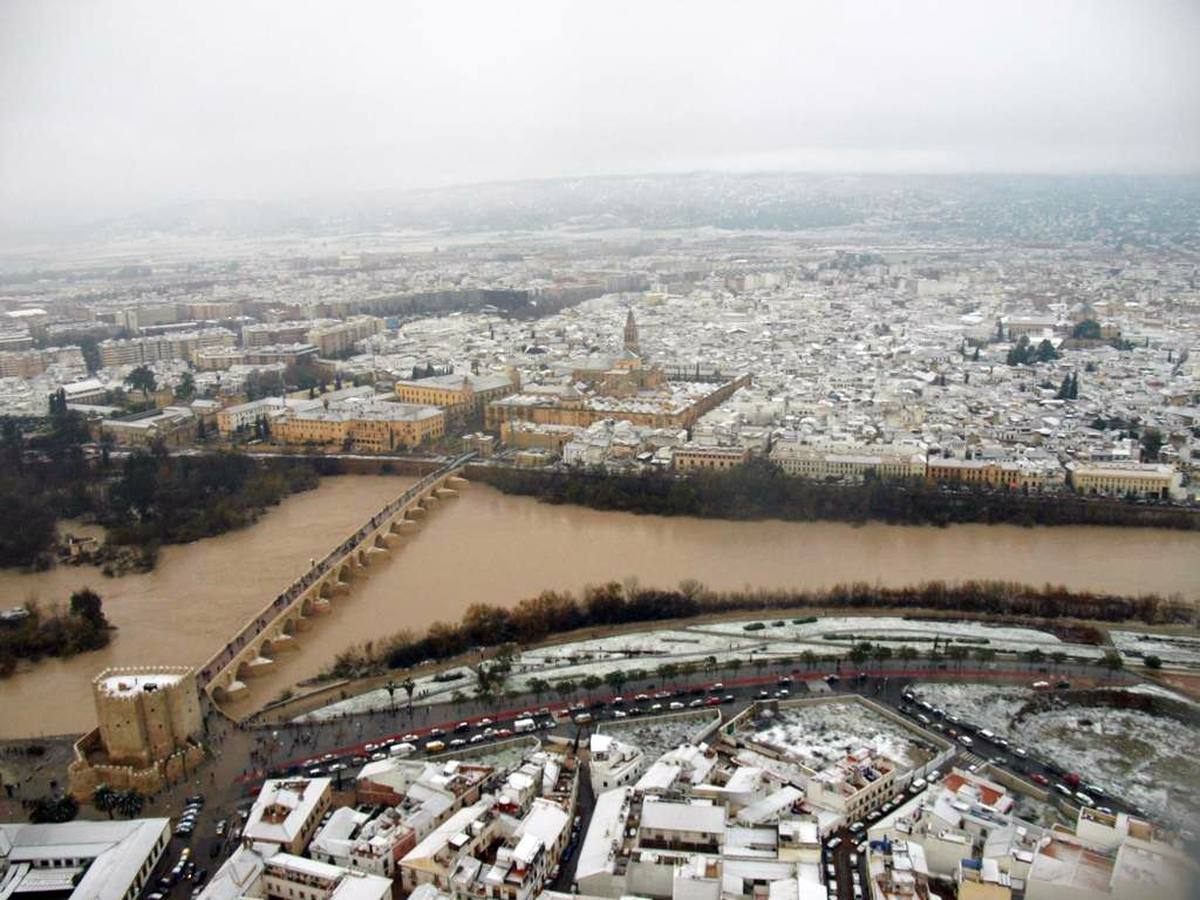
484,546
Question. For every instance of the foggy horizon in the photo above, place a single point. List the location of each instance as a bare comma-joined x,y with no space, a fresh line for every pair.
112,108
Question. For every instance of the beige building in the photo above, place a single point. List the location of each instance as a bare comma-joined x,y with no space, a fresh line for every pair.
1014,474
182,345
461,396
850,463
30,363
340,337
175,426
693,456
1119,479
677,405
380,427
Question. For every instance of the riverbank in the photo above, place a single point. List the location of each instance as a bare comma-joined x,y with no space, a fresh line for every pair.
485,627
181,612
760,490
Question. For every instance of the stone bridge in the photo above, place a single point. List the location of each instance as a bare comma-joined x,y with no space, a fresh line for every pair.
274,629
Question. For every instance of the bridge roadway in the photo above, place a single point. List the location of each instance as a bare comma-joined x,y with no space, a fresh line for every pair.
252,650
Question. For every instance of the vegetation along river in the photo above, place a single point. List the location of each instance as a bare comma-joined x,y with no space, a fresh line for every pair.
485,546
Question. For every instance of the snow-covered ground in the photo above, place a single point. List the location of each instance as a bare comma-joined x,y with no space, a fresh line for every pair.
726,641
656,736
822,733
1132,754
894,630
1171,648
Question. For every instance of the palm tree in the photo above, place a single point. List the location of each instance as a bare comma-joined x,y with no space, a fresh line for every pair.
957,653
390,687
564,688
810,658
409,686
590,683
907,653
103,798
539,686
615,679
129,803
710,664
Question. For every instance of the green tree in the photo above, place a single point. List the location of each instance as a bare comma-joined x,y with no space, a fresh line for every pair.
1152,662
590,683
860,652
564,688
186,389
53,809
86,604
615,679
907,653
129,803
539,686
103,799
1152,442
142,379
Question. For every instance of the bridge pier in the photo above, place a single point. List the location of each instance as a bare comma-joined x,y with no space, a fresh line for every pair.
303,623
236,689
284,643
416,511
455,481
446,493
260,665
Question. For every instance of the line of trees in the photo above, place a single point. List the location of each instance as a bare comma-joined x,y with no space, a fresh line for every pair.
761,490
150,498
82,627
553,612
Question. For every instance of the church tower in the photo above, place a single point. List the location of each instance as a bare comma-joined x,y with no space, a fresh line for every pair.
631,335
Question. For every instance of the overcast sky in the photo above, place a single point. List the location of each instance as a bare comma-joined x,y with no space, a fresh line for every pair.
108,106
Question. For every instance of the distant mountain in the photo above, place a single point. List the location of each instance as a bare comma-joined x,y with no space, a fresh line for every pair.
974,207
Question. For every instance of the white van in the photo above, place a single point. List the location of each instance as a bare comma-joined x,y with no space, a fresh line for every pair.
402,749
521,726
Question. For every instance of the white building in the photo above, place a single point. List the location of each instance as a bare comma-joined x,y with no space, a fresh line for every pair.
82,860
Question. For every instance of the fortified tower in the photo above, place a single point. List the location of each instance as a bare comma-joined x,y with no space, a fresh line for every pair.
148,726
146,714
